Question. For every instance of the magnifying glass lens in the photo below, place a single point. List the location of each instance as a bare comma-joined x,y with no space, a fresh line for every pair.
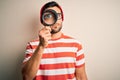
49,17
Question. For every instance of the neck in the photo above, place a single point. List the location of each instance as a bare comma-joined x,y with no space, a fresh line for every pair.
56,35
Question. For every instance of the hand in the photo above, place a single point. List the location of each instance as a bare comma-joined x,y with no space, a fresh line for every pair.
44,36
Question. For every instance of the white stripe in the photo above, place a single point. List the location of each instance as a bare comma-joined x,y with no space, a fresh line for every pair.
80,62
29,51
58,60
56,71
34,43
80,52
55,50
26,59
60,49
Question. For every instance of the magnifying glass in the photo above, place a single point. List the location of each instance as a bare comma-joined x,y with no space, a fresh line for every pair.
49,17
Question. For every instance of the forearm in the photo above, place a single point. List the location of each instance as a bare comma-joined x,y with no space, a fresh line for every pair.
30,68
81,73
81,77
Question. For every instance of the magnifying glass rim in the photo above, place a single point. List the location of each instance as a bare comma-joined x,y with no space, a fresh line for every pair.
55,15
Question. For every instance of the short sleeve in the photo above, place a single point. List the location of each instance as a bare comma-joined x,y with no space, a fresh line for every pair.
80,58
28,52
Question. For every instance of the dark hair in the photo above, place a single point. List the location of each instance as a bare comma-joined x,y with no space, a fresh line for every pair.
50,4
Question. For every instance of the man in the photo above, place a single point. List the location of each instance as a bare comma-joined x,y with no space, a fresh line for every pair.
54,56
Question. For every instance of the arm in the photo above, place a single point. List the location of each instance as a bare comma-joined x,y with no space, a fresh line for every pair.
80,73
30,68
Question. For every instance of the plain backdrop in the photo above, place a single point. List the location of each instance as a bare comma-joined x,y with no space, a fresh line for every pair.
95,23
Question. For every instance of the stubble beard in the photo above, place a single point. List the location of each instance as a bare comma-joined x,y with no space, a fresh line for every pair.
56,31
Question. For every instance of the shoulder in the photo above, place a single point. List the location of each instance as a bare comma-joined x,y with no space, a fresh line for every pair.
34,42
74,42
69,38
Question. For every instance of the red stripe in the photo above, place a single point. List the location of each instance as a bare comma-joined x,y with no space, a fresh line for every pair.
58,54
60,44
28,47
56,66
28,55
80,57
80,65
63,44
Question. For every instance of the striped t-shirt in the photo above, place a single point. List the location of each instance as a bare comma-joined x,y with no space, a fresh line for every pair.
59,59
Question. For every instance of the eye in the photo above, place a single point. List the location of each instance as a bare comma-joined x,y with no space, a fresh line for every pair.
48,16
59,15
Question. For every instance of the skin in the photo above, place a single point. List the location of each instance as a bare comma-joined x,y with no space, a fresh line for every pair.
29,69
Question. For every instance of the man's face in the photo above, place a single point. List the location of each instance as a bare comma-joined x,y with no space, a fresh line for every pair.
58,25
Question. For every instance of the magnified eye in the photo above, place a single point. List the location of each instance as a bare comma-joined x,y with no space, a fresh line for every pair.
48,16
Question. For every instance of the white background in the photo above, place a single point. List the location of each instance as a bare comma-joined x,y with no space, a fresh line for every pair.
96,23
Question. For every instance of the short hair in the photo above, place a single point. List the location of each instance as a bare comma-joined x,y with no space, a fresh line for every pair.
50,4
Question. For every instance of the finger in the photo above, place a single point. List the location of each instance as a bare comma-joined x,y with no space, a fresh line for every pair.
44,31
47,38
48,28
45,34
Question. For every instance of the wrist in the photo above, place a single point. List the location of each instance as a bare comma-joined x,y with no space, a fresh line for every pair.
43,44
